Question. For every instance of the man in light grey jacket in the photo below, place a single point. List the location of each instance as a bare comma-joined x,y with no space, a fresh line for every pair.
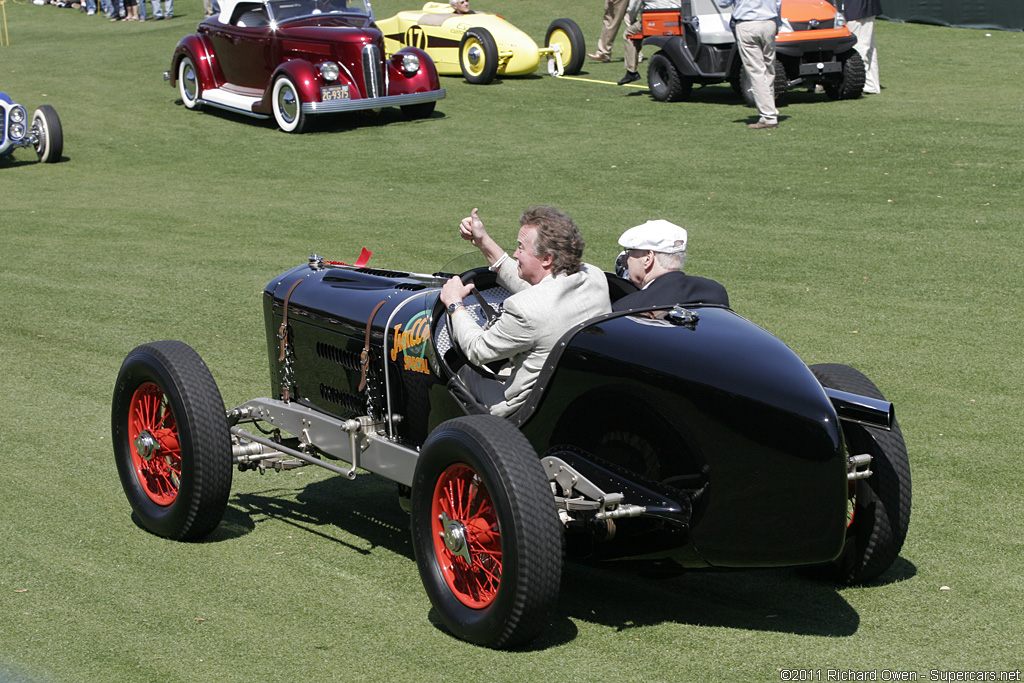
552,290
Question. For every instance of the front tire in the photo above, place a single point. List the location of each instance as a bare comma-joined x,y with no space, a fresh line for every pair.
189,86
665,81
486,532
567,33
288,106
49,135
850,85
171,440
880,504
478,56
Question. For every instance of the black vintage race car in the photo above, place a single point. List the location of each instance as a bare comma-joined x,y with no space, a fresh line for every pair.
688,433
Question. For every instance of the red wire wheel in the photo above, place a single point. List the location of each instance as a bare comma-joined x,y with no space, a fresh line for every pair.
155,452
171,441
467,536
486,532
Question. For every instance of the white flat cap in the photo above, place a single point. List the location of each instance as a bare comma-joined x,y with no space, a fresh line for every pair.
659,235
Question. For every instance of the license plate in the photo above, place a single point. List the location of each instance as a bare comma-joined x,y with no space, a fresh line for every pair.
334,92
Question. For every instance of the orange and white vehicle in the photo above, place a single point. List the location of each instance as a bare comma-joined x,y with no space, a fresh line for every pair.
696,45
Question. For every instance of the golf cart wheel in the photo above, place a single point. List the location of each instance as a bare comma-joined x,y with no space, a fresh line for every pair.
171,441
486,532
879,509
478,56
49,136
781,84
665,81
850,85
567,33
741,84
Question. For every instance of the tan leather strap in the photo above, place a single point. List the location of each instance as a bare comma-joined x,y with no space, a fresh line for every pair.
282,332
364,357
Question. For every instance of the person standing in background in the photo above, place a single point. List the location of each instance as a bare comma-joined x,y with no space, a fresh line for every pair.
860,19
614,11
755,24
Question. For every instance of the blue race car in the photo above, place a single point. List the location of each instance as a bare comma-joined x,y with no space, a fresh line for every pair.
43,132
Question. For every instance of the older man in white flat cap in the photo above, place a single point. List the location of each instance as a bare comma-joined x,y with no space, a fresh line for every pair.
654,256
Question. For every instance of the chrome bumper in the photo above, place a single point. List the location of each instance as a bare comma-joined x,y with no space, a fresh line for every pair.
372,102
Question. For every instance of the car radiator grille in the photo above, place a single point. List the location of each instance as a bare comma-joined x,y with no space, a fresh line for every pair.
373,72
812,25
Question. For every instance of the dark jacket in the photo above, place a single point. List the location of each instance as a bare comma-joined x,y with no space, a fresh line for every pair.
672,288
860,9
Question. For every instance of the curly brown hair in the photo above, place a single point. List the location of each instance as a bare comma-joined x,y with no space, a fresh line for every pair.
557,235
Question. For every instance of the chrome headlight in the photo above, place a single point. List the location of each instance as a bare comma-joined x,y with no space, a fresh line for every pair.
16,131
330,71
18,114
840,20
410,63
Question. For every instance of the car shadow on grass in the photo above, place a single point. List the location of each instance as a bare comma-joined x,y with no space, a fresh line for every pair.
634,594
624,595
324,123
330,509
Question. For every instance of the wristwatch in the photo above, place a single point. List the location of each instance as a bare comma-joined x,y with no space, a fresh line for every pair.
453,306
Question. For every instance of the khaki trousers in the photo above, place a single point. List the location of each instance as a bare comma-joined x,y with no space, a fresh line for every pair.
755,41
864,29
614,11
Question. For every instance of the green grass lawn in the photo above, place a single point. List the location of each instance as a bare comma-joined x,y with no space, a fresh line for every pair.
884,233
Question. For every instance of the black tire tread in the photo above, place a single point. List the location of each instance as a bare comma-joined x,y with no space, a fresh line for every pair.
490,47
577,40
885,496
850,85
665,81
535,519
203,430
54,134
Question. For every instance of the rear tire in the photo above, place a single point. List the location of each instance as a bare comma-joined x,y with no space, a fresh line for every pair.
486,532
574,47
880,512
189,86
478,56
665,81
850,85
171,440
49,134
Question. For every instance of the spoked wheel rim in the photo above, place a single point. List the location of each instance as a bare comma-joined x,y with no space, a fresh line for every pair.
42,136
467,536
851,505
154,445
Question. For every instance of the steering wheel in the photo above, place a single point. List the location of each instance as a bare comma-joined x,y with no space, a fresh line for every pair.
483,305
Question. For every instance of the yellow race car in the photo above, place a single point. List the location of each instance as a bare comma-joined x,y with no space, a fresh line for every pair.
481,45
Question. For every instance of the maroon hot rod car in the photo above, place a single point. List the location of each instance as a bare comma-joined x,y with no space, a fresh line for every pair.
292,59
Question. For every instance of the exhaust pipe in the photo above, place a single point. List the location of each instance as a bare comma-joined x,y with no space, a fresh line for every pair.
864,410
